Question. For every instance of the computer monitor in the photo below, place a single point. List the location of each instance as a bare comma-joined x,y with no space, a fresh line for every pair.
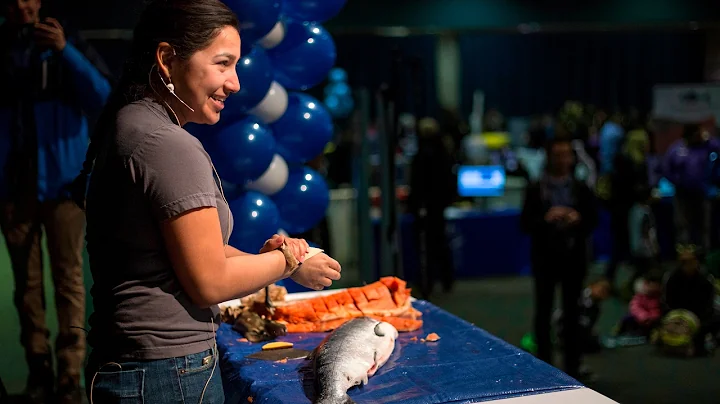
481,181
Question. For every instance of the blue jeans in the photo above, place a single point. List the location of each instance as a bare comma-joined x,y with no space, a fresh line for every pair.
174,380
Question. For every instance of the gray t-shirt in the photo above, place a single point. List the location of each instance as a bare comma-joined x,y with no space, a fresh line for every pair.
148,170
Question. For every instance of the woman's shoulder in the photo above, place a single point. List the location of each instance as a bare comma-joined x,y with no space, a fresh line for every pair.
142,128
169,141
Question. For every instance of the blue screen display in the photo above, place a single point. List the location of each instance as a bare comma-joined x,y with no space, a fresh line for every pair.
480,181
665,188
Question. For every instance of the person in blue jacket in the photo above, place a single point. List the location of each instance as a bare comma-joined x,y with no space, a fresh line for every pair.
51,82
612,133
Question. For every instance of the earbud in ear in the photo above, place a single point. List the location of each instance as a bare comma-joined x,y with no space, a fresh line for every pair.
171,87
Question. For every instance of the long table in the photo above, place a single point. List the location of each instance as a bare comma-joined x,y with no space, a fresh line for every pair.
467,365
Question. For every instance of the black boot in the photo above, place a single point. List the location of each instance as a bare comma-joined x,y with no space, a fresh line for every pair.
40,383
70,394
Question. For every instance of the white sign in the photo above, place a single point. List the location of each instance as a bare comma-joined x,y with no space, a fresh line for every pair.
686,103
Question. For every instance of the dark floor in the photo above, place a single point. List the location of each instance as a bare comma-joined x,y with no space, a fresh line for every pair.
627,375
634,375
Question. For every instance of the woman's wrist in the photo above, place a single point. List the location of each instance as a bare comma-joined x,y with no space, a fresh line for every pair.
291,263
281,262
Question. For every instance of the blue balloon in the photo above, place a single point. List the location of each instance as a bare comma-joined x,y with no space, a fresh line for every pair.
312,10
304,129
339,89
256,219
304,57
255,73
340,106
303,201
337,75
257,18
241,151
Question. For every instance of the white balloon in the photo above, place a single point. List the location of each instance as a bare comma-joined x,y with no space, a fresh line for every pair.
274,37
273,105
273,179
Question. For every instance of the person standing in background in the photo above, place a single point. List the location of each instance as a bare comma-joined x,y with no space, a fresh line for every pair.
432,190
51,81
559,214
629,184
611,137
685,166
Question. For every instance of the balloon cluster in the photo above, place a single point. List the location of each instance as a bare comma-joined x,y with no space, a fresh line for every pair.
269,129
338,96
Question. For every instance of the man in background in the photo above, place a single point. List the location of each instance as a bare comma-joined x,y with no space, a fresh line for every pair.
559,214
50,82
432,190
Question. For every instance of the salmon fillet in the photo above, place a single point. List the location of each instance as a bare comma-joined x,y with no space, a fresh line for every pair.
385,300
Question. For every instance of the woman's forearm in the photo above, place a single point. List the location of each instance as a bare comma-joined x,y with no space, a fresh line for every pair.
244,275
231,251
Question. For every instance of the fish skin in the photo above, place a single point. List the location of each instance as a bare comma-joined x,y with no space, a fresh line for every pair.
349,356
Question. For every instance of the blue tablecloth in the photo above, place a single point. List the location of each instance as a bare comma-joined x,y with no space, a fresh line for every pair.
466,365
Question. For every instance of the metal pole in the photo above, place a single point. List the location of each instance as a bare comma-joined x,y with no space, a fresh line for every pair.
386,188
361,170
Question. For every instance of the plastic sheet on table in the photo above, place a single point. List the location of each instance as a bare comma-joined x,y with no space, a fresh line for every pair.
466,365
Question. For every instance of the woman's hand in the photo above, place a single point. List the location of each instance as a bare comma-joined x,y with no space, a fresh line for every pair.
298,246
318,272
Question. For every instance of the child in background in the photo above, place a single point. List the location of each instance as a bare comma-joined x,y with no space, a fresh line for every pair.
688,288
645,307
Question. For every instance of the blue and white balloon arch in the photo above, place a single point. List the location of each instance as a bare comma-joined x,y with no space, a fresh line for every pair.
270,128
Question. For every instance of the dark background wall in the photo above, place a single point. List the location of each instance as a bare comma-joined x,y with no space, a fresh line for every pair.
607,52
526,74
447,14
499,14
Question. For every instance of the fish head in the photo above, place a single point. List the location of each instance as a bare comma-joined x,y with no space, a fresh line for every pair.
386,330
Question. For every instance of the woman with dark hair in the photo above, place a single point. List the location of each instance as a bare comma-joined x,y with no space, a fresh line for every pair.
157,220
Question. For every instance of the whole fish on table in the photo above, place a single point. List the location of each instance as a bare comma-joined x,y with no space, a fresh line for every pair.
349,356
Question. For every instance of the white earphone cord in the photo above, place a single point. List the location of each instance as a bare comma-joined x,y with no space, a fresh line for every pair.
171,88
226,240
207,383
